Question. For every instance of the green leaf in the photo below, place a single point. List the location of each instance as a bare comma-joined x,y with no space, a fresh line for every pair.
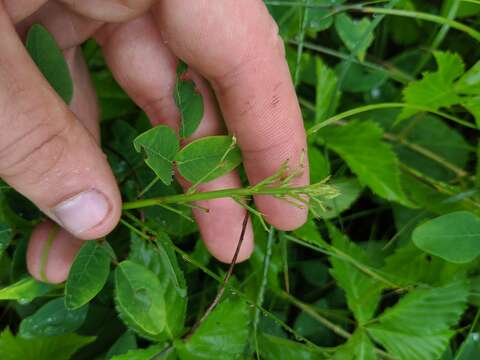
418,326
319,18
47,348
88,274
53,319
6,234
358,347
327,95
123,345
143,354
208,158
159,257
359,79
25,290
139,298
470,348
349,190
354,34
360,144
46,54
160,145
362,291
223,335
454,237
189,102
277,348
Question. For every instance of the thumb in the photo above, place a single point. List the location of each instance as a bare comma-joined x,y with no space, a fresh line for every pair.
45,153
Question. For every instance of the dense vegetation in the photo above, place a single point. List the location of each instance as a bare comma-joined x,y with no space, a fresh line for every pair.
386,266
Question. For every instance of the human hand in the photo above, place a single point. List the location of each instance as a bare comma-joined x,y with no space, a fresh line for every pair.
49,152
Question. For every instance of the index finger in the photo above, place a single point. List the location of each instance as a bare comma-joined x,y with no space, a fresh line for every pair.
236,46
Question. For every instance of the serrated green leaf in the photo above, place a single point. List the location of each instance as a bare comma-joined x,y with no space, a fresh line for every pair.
208,158
46,54
223,335
358,347
139,298
25,290
88,274
123,345
189,102
5,237
277,348
56,347
160,145
362,291
143,354
53,319
454,237
360,144
419,325
354,34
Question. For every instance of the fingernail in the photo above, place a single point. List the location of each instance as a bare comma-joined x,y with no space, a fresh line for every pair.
82,212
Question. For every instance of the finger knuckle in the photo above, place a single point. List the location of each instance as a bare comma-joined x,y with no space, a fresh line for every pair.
34,153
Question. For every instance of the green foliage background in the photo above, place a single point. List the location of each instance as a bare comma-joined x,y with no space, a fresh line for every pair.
389,269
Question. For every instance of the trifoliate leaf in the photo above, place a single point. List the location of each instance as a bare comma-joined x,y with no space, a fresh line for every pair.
189,102
419,325
354,34
208,158
360,144
454,237
46,54
160,145
88,274
362,291
223,334
47,348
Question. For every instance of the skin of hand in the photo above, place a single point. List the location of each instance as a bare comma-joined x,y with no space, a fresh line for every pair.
50,151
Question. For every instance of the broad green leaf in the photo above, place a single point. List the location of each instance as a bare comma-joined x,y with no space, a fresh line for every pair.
310,233
88,274
123,345
362,291
309,327
143,354
327,94
354,34
189,102
469,83
277,348
46,54
434,135
159,257
47,348
419,325
25,290
223,335
139,298
5,237
358,347
470,348
208,158
454,237
53,319
359,79
320,18
160,145
319,165
360,144
349,190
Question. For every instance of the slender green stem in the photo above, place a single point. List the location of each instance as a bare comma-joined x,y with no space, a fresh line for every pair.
420,15
263,285
392,105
